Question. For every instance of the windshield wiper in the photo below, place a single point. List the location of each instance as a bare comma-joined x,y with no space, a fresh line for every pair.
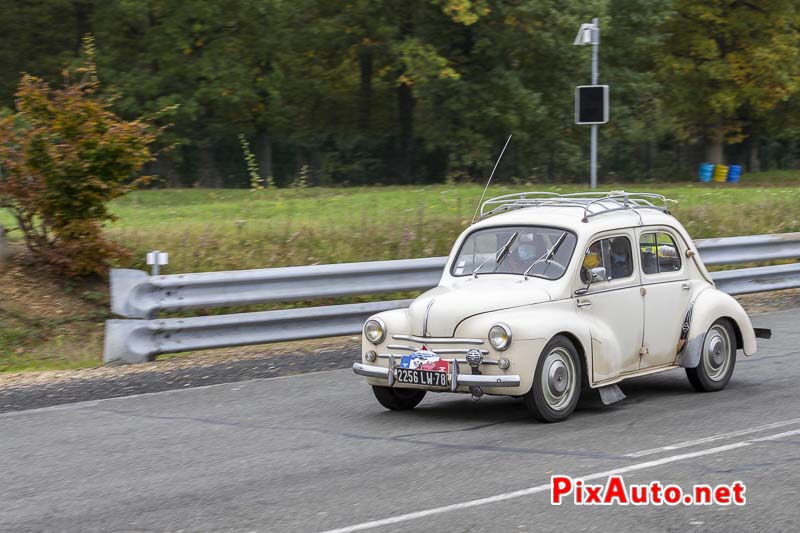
499,255
547,256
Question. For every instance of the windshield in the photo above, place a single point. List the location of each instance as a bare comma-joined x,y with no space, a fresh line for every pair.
532,243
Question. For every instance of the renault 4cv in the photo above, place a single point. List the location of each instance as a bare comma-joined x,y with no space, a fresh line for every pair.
551,294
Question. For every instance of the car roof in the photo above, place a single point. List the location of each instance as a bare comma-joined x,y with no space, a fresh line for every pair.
571,218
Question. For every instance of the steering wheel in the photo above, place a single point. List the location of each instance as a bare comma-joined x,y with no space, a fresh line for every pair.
553,262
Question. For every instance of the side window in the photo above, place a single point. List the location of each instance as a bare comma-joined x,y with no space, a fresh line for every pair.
613,254
659,253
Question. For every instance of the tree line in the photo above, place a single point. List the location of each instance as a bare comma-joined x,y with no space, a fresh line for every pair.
415,91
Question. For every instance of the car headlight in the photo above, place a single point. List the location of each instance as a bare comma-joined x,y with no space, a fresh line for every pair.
500,337
375,330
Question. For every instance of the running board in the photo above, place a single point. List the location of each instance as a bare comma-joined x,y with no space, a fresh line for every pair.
611,394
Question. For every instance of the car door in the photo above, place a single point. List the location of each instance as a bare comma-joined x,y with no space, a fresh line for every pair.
667,289
612,303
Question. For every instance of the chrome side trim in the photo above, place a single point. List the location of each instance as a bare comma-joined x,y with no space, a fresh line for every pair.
463,360
425,320
448,351
436,340
405,347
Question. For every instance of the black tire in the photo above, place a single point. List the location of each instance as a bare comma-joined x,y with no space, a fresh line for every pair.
717,359
398,399
560,360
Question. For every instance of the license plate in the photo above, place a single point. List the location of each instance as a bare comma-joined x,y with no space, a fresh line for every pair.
422,377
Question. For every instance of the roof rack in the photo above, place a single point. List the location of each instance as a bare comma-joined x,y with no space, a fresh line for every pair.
592,203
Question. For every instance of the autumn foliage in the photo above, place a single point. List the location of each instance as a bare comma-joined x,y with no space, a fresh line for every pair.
64,155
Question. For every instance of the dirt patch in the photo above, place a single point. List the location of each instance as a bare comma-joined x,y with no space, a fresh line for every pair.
47,322
766,302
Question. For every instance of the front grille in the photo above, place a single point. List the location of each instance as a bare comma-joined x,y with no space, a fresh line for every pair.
446,346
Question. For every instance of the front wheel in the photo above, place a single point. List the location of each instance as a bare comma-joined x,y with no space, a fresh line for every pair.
398,399
717,359
556,382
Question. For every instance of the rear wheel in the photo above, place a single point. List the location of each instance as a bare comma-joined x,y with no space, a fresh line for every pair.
717,359
398,399
556,382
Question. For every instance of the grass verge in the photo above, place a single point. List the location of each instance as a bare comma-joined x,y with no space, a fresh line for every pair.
47,323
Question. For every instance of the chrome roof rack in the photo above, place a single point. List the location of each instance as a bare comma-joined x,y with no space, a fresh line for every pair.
592,203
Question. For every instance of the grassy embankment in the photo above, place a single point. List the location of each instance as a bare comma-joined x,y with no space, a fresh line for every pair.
46,323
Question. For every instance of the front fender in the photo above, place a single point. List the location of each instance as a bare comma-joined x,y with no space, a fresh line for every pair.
710,305
396,321
531,327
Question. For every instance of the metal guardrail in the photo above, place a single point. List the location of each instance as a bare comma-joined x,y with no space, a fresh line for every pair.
136,295
748,249
138,341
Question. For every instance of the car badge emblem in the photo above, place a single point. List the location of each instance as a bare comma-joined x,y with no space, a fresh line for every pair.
474,358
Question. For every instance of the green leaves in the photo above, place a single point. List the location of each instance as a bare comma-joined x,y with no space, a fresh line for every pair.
729,62
65,155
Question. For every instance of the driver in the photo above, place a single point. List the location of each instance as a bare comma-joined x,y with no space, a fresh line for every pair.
530,247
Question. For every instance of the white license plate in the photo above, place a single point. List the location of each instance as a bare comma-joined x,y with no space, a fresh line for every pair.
421,377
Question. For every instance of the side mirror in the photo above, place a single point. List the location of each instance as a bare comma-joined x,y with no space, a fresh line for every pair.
597,274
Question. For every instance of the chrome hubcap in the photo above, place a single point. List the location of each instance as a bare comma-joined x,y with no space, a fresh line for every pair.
717,352
558,378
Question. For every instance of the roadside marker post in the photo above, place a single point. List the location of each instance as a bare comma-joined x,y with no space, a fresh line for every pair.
156,259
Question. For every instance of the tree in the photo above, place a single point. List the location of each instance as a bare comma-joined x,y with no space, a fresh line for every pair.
724,59
64,155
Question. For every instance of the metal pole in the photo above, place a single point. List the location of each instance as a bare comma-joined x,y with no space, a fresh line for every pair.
595,75
154,267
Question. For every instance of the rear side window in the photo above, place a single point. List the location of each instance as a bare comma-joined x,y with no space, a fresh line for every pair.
613,254
659,253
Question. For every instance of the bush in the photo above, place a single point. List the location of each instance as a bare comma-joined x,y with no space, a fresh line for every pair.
63,156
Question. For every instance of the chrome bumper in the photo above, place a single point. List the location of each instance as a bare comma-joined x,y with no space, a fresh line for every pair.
455,378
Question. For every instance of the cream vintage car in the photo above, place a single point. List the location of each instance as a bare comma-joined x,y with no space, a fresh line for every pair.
548,295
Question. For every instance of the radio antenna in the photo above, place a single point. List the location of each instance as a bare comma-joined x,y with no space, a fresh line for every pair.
477,207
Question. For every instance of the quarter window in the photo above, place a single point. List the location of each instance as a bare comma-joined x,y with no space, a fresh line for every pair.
613,254
659,253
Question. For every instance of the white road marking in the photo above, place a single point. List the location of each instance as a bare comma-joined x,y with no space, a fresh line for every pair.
712,438
778,436
546,487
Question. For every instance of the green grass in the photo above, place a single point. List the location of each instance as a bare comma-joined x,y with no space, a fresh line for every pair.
206,230
232,229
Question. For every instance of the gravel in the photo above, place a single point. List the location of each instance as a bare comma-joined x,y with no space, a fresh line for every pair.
43,389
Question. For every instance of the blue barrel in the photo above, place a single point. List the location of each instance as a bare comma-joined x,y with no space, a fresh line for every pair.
706,171
734,173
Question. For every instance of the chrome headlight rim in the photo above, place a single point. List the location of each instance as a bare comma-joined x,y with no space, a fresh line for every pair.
381,324
506,343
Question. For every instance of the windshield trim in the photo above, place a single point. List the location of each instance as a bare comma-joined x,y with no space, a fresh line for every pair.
487,273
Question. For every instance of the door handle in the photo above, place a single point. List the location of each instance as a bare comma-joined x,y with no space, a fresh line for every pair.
584,303
686,286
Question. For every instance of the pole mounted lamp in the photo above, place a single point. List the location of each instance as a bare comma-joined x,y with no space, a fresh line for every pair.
591,101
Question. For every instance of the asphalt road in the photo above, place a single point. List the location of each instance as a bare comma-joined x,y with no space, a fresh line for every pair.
316,452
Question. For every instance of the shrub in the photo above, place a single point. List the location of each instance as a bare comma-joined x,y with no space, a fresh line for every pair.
63,156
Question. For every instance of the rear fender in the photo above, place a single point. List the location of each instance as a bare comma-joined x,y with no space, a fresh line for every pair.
709,306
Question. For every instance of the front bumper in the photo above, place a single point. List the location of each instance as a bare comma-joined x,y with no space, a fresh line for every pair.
455,379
